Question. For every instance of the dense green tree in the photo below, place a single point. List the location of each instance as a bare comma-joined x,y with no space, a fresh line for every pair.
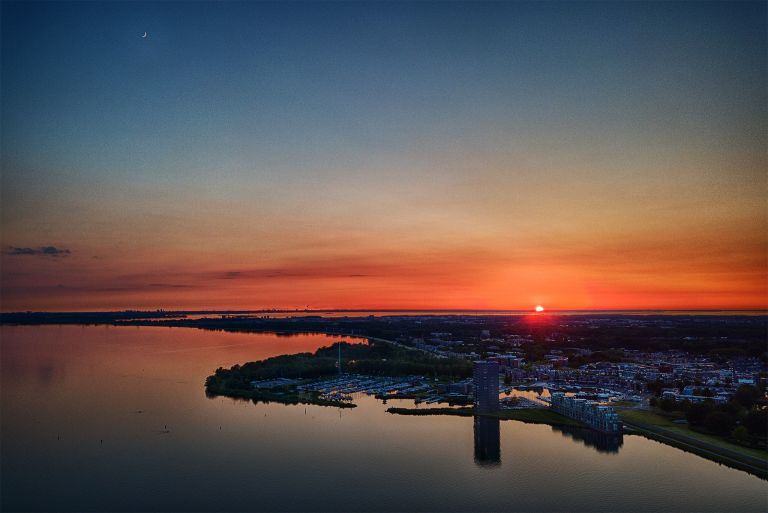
740,434
668,404
746,395
698,412
756,422
376,358
733,408
719,422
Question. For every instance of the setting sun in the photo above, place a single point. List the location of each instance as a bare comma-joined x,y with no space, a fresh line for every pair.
539,308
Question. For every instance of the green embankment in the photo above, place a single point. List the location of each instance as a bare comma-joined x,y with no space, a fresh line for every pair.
663,429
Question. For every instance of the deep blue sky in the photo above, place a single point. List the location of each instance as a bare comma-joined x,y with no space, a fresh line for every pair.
303,78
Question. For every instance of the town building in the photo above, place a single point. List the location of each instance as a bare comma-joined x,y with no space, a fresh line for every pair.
595,415
486,384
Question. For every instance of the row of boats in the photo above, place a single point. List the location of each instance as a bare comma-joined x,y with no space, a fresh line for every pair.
342,387
429,400
581,392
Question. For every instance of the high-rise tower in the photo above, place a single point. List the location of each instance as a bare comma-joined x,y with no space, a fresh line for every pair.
486,381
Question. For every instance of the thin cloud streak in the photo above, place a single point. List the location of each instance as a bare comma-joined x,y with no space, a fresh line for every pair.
47,251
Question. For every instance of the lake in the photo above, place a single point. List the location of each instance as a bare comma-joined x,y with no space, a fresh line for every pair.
116,418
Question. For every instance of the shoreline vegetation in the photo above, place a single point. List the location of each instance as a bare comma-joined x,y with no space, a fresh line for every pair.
375,358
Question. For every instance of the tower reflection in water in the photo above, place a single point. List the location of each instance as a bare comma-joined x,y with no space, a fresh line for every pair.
487,441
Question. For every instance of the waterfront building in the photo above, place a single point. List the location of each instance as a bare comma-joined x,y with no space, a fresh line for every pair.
460,388
671,394
486,384
598,416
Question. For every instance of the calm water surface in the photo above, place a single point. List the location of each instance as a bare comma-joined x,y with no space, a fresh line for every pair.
115,418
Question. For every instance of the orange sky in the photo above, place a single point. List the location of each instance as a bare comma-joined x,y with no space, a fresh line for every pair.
678,244
625,273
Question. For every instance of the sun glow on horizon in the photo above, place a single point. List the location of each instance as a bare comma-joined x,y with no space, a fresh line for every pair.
539,308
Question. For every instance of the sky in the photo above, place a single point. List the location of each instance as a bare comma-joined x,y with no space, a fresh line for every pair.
498,155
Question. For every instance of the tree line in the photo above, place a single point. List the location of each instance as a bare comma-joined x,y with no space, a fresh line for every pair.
744,418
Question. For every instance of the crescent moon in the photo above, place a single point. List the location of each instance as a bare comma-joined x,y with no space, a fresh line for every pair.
145,35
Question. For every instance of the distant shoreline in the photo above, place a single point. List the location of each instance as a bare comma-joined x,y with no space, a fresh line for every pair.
393,310
139,316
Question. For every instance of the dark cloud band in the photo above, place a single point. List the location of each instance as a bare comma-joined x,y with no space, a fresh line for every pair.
51,251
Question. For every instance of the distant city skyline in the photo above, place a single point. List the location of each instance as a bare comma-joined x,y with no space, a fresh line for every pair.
458,155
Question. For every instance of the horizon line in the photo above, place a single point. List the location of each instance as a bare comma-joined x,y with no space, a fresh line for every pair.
386,310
